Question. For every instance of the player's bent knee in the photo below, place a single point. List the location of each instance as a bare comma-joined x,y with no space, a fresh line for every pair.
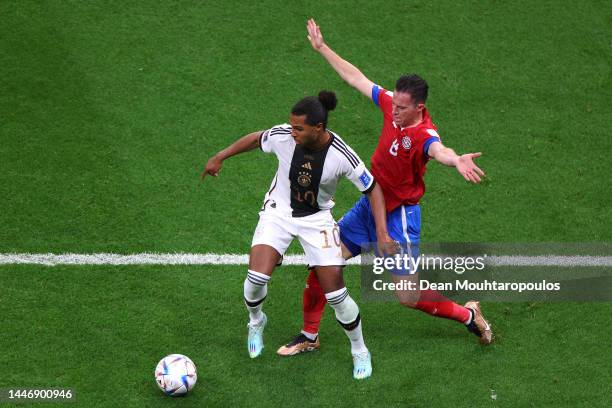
263,259
330,278
408,298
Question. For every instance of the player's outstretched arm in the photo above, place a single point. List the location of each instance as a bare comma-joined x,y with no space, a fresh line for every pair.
386,244
464,164
347,71
244,144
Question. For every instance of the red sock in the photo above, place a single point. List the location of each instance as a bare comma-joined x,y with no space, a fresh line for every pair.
313,304
434,303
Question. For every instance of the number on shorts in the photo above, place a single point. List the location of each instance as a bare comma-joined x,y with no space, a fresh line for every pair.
335,236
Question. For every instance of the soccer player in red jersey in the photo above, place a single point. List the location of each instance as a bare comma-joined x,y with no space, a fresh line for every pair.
407,142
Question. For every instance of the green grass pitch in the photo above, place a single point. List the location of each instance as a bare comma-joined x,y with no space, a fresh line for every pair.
109,110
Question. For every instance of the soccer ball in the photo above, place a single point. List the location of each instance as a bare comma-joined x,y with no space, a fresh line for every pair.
176,375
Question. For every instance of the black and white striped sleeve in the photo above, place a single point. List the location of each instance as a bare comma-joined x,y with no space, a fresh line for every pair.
353,168
268,137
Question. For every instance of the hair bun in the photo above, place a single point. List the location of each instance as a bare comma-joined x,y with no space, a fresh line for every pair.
328,100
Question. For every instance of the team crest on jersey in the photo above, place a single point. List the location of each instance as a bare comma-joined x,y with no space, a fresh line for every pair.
406,143
365,178
304,179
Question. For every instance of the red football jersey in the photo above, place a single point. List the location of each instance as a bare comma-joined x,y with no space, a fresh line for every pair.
400,159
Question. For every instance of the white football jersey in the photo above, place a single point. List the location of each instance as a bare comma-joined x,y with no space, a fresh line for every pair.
306,180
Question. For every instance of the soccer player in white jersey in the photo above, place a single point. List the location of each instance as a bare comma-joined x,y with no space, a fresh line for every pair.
311,161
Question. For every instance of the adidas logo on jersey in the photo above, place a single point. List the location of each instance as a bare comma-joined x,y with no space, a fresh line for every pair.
307,166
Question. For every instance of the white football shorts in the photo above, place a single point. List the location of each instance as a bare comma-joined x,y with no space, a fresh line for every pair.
318,233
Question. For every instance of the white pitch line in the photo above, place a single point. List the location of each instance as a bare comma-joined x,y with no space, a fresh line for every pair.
141,259
237,259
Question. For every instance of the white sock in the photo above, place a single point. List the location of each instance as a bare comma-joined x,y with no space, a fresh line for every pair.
310,336
255,292
357,342
347,314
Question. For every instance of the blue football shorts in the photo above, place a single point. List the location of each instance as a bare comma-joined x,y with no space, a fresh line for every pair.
358,229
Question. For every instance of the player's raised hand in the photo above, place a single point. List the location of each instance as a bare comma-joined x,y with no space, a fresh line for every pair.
314,34
212,167
468,169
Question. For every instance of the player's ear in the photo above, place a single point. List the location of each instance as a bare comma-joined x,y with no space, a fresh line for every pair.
420,107
319,127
